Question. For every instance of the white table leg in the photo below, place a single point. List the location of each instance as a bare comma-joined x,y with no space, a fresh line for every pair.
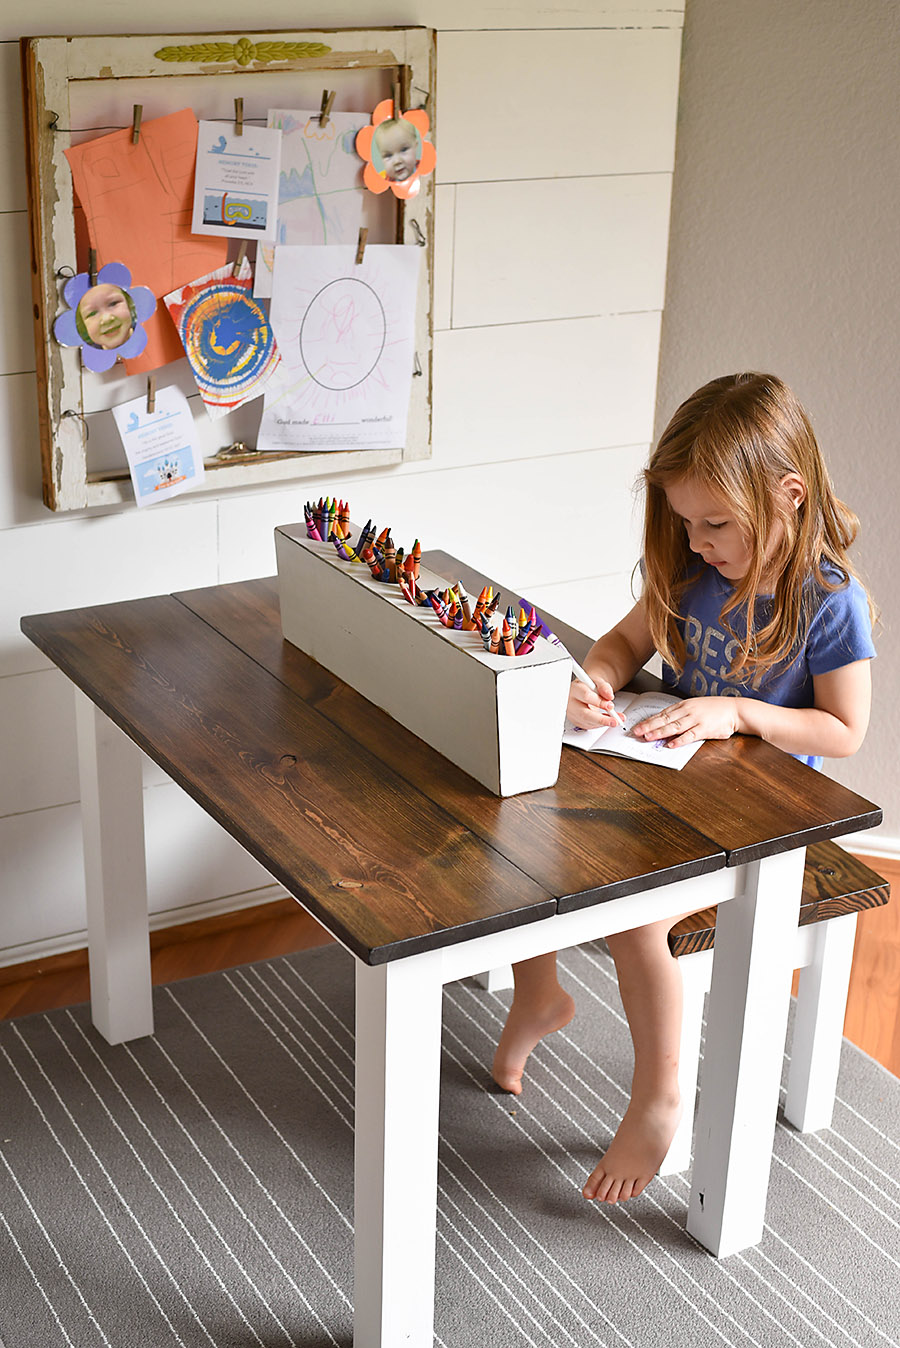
112,812
819,1025
398,1064
746,1024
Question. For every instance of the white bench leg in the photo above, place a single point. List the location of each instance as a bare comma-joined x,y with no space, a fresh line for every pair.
497,980
819,1025
696,972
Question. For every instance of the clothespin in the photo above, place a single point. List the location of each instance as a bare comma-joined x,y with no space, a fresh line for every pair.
417,230
151,392
92,266
136,123
325,110
239,260
238,116
417,366
395,93
361,246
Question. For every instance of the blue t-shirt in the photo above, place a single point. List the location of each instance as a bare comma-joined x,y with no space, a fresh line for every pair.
840,632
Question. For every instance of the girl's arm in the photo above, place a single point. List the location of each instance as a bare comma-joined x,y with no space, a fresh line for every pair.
612,661
833,728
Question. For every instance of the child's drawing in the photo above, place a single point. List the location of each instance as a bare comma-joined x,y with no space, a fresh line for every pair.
320,192
227,338
345,334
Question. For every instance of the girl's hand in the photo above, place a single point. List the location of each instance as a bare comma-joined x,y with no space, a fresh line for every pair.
697,718
589,710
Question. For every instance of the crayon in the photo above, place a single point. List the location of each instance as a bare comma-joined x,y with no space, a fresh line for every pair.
362,542
512,621
438,605
344,516
495,641
416,555
390,559
506,639
311,530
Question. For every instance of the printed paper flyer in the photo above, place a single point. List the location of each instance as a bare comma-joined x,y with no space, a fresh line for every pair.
160,446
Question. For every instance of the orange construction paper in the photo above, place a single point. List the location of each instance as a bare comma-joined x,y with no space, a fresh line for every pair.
138,202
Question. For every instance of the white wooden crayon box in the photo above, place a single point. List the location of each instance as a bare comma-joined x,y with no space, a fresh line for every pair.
500,718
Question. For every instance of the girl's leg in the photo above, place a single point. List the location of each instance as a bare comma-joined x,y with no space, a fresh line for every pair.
539,1007
650,986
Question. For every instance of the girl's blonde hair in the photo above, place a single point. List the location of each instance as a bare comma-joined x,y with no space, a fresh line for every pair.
740,436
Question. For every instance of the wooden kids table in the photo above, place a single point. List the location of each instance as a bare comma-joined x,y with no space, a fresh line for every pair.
426,877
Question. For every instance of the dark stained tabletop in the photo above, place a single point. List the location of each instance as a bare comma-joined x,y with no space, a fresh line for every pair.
392,847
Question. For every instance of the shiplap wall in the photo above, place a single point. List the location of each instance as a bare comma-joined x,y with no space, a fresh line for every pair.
555,144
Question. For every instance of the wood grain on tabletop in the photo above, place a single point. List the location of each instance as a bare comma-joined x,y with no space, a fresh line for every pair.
589,837
316,809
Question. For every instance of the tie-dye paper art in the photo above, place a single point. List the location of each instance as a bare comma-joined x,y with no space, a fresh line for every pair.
227,338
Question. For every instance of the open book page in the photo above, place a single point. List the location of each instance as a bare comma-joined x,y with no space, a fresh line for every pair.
635,707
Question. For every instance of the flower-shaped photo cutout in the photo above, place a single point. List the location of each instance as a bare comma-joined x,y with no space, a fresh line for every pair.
396,152
105,319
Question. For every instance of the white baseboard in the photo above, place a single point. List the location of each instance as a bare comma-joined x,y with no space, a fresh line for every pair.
871,844
169,917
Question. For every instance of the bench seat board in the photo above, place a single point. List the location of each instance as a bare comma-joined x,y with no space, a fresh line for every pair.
834,883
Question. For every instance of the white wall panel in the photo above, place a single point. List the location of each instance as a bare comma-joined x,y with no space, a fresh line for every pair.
190,858
556,248
16,322
535,388
528,523
593,604
43,878
13,192
442,289
556,104
37,732
247,527
20,454
68,563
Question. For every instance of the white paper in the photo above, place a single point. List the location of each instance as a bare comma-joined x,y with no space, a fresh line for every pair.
236,181
161,448
619,739
320,192
345,332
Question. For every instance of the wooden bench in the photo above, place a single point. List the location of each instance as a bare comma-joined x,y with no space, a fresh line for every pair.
836,886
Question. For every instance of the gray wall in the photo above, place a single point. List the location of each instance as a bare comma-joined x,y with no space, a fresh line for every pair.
784,256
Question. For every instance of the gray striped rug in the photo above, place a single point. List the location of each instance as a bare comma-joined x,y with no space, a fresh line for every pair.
196,1188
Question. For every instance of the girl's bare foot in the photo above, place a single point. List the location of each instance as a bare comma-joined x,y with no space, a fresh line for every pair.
526,1025
636,1152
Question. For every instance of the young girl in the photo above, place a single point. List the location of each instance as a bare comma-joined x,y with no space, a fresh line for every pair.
764,630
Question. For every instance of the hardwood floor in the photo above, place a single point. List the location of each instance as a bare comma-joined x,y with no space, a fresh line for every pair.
873,1007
